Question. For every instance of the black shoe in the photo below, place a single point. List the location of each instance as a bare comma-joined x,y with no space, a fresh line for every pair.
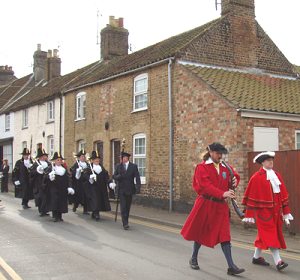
61,219
26,207
44,214
97,217
235,270
194,264
281,265
126,227
260,261
74,209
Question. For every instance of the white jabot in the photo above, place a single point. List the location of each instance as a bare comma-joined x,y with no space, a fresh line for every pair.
97,168
27,162
272,177
59,170
44,163
83,164
209,161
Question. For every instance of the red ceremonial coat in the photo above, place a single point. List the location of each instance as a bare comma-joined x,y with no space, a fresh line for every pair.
267,208
208,222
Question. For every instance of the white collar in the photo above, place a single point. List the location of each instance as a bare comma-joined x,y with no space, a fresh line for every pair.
272,177
209,161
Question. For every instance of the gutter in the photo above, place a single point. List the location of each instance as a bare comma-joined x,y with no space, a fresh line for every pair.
171,154
119,75
60,122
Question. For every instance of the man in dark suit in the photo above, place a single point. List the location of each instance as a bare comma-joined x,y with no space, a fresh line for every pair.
125,174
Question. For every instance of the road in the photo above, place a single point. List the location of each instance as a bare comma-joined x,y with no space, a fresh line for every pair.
35,248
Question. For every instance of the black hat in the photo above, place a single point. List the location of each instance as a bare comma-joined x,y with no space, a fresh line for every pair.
260,158
25,152
95,155
81,153
217,147
125,154
41,152
57,155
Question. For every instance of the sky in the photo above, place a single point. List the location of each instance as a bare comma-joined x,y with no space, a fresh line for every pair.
72,27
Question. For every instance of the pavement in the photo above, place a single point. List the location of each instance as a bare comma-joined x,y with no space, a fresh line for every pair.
239,233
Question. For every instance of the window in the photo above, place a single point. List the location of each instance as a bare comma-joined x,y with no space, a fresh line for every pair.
140,92
297,139
7,122
265,139
50,111
50,145
25,118
81,145
139,154
80,105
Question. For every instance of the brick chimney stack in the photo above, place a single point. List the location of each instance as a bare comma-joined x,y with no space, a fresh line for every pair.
114,39
241,16
6,75
46,65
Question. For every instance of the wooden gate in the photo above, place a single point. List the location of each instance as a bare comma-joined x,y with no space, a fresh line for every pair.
287,163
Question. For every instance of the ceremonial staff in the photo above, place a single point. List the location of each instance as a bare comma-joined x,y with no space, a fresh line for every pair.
89,162
118,196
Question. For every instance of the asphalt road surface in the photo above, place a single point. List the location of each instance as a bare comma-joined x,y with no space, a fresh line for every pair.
36,248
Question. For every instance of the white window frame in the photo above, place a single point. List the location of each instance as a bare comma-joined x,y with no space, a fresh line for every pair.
7,122
25,118
50,111
80,106
142,92
50,145
140,156
297,144
81,145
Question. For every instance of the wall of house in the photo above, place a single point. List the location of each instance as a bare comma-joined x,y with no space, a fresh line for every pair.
38,129
112,102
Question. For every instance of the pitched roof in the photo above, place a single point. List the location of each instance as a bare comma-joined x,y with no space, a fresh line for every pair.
252,91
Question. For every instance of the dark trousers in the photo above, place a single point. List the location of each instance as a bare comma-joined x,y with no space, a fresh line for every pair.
125,203
4,184
25,202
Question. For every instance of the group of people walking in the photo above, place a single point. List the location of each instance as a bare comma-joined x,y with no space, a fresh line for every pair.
87,183
265,201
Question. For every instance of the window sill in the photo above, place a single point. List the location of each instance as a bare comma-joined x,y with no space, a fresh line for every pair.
139,110
24,127
49,121
78,120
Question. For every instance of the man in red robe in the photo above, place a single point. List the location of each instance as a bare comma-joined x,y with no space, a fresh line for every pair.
266,201
208,223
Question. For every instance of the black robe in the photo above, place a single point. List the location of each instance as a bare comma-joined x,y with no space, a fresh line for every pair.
21,173
77,184
97,194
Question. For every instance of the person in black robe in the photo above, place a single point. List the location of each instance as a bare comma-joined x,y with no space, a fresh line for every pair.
20,178
37,173
4,180
96,181
77,182
57,182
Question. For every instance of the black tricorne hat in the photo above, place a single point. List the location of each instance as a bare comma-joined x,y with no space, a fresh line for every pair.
260,158
25,152
217,147
125,154
41,152
81,153
95,155
57,155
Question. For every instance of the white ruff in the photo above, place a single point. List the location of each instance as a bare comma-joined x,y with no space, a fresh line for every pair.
59,170
44,163
27,162
272,177
97,168
83,164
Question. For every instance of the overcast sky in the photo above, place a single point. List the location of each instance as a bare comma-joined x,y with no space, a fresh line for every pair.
72,26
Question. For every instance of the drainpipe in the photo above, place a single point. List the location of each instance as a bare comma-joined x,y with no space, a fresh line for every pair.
171,136
60,122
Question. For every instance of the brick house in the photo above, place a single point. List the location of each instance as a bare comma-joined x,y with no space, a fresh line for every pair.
224,81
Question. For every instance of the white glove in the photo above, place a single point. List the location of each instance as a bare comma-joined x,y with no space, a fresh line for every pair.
71,191
78,173
112,185
93,178
51,176
249,220
40,169
287,218
17,183
29,165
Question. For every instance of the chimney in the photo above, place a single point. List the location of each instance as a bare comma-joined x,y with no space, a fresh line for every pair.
39,64
114,39
241,17
6,75
54,64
